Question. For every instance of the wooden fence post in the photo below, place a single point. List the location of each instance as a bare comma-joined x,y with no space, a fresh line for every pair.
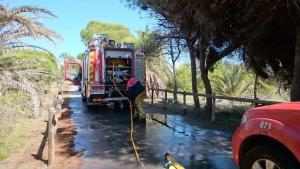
213,116
51,136
152,95
255,99
184,102
166,97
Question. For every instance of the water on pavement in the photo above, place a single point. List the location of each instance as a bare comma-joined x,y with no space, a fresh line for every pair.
103,138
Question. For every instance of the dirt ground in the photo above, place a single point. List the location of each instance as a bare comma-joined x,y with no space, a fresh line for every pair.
34,153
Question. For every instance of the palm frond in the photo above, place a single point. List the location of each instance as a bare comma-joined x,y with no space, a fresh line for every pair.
21,22
31,9
17,45
7,79
232,82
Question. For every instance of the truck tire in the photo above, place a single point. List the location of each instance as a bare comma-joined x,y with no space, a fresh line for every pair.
116,105
83,98
126,105
89,103
260,156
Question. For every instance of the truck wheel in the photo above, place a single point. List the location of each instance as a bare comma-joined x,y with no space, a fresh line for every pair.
89,106
267,157
118,105
88,103
121,105
83,98
126,105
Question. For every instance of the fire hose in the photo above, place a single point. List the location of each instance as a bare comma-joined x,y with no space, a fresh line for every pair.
171,163
137,155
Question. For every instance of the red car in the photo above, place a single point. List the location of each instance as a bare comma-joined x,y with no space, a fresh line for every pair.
269,138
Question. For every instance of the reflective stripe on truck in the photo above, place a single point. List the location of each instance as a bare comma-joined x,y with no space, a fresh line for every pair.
99,67
92,67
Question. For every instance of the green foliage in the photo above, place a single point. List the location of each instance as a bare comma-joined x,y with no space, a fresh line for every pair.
227,79
152,46
12,136
265,35
232,80
80,56
12,100
29,59
12,122
184,78
22,71
67,57
267,89
235,80
28,71
158,65
157,68
38,67
115,31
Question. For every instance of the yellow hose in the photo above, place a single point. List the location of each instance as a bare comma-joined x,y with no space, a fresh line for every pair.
137,156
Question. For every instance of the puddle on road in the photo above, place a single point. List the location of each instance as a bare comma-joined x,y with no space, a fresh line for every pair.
103,135
221,162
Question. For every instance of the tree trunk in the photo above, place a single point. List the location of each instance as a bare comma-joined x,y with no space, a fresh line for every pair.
194,76
175,82
278,84
207,86
255,88
204,76
295,89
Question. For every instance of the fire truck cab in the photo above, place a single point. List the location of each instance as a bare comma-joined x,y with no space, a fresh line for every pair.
104,61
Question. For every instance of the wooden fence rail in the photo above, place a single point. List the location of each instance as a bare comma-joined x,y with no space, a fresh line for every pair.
255,101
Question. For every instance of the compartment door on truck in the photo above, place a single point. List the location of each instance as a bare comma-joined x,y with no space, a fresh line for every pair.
139,68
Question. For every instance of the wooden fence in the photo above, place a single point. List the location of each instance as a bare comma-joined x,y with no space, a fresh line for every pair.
255,101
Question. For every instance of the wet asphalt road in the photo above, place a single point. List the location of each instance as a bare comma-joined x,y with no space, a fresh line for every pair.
103,138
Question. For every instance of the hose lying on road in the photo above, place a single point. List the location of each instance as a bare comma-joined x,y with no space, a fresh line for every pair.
171,163
137,156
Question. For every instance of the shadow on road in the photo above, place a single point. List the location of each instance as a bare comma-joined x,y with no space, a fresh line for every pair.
39,154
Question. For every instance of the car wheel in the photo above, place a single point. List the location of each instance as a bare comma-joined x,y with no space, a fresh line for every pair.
267,157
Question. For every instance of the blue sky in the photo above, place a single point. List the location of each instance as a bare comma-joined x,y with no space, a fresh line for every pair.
73,15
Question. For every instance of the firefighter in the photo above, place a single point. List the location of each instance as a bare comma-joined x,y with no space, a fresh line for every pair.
136,94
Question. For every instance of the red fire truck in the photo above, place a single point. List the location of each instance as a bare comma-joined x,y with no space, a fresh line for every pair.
104,61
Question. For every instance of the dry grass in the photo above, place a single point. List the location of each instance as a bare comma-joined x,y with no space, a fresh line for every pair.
13,122
16,119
